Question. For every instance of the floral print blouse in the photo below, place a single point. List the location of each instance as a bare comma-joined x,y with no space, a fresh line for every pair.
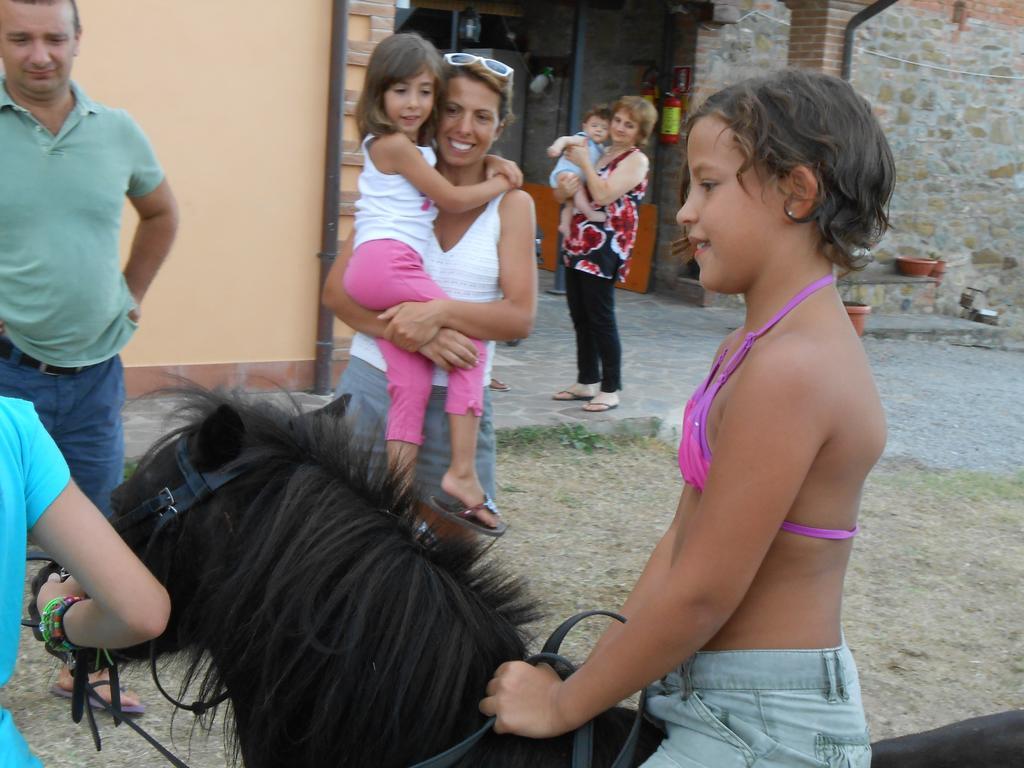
604,248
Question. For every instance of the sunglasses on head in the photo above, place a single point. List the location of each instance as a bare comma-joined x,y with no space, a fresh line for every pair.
500,68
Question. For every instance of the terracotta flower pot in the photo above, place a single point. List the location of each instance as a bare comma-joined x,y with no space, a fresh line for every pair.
939,269
914,267
858,314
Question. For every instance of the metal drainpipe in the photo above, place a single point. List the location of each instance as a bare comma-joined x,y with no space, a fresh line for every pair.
572,123
872,10
668,53
322,384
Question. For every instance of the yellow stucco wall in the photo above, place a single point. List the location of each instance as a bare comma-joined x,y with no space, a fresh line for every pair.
233,95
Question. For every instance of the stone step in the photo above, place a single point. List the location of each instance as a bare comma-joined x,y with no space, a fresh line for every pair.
890,293
952,330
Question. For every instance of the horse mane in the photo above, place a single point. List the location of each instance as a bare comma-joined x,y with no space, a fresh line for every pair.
307,578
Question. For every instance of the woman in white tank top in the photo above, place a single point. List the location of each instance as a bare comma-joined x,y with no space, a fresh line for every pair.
483,259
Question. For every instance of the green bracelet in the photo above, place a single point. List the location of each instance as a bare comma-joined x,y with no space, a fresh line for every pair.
51,624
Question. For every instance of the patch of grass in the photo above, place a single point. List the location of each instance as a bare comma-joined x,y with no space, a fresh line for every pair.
580,438
129,469
963,485
521,438
575,436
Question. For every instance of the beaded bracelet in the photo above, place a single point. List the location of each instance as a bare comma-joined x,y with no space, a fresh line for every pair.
51,624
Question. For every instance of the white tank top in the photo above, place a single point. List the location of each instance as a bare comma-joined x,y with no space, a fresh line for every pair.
468,272
391,208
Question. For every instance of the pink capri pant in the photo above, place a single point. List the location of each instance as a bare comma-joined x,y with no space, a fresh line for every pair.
381,274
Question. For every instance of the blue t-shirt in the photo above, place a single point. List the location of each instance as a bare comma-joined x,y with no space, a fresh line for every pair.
32,474
565,165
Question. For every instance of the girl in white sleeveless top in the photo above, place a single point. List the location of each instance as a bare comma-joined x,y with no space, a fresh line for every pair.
399,194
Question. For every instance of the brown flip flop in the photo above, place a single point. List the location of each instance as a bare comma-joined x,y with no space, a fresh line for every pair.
568,394
466,516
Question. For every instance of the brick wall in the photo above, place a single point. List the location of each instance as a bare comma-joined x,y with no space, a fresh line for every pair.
816,39
1009,12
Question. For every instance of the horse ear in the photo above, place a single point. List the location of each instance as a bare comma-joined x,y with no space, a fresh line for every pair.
220,438
336,408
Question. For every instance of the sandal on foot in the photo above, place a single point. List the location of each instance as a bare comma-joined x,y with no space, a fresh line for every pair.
96,703
498,386
466,516
600,406
571,394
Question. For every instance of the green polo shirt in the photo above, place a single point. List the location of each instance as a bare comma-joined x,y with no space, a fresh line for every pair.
62,294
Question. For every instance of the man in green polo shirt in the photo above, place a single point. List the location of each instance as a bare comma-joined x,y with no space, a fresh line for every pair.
66,166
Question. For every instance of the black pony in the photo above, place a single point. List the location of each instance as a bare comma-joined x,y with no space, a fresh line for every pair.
302,589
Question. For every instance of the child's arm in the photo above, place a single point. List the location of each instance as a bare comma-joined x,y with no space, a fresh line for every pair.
564,142
496,165
775,422
126,604
396,154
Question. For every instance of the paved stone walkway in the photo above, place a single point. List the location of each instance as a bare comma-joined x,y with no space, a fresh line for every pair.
952,402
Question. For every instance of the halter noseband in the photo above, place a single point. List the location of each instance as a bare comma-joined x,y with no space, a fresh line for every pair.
196,487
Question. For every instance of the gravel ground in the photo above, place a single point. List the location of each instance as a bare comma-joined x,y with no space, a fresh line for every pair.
951,407
926,613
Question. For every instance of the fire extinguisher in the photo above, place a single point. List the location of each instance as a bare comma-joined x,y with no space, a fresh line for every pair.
649,87
671,118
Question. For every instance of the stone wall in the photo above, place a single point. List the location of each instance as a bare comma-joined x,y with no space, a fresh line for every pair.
951,98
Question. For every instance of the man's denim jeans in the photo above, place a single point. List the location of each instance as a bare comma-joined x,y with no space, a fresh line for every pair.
82,412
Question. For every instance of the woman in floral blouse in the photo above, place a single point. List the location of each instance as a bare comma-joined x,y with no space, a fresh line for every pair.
596,254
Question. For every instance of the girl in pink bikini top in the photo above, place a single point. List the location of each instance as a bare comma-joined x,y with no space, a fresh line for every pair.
737,630
694,451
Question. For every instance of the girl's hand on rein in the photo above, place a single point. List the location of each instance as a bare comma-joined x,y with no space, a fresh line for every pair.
525,700
54,588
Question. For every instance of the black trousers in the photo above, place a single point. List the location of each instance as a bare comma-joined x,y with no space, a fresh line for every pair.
592,309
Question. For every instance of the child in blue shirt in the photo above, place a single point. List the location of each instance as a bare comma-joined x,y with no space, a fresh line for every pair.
594,133
111,601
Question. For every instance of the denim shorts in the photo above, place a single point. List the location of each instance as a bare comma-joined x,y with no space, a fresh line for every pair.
761,709
82,413
368,408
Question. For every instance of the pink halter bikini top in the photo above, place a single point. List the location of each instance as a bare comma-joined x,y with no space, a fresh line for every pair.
694,452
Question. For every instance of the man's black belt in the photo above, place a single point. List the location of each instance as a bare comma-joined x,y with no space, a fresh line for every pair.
8,351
